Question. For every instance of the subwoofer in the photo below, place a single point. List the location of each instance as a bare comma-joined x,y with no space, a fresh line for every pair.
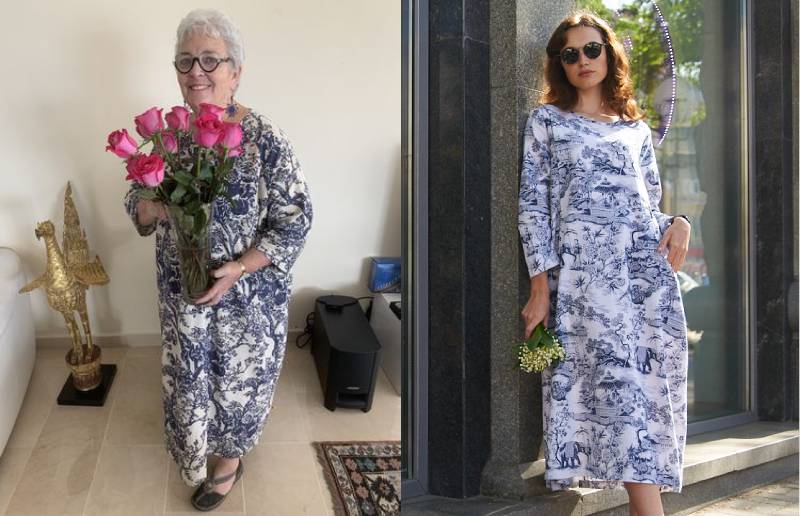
346,352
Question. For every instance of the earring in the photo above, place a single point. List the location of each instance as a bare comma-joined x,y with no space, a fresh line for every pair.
231,110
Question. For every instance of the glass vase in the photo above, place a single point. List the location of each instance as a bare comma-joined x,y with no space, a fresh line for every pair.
191,236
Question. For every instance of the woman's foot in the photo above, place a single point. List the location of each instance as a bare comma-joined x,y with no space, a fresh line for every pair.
213,491
222,469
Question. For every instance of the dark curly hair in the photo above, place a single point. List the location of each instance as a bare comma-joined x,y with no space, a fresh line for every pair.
617,85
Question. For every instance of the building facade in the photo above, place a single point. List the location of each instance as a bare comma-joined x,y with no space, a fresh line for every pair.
718,79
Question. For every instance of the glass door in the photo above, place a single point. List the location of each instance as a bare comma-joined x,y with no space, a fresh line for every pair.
688,62
415,256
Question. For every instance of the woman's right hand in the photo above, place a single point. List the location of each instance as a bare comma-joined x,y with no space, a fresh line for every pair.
150,211
537,308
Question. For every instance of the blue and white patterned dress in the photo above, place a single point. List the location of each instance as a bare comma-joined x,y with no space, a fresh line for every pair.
220,364
615,409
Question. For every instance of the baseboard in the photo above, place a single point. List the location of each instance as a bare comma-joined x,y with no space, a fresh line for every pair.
112,341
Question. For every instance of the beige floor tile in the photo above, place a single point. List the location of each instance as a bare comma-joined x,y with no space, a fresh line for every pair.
287,419
178,493
299,368
49,374
46,381
137,417
327,500
12,464
281,480
382,422
345,424
129,480
56,480
195,513
74,426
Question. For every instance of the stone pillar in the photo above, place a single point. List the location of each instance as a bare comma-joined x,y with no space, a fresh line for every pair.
518,33
459,213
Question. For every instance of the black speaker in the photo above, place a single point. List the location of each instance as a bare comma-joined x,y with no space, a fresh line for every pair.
345,351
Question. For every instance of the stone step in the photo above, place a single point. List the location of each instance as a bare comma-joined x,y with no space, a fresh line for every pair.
717,465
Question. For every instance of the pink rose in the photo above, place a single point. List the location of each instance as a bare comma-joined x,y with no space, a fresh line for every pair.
178,118
211,109
209,130
149,122
234,152
232,136
170,142
121,144
147,170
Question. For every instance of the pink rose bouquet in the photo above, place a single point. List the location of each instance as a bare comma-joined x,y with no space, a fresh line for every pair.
186,169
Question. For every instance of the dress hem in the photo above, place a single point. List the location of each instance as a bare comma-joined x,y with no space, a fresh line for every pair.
586,481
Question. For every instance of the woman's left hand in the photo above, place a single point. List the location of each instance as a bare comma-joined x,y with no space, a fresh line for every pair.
225,276
676,239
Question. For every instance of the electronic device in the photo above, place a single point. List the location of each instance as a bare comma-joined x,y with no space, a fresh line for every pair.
346,352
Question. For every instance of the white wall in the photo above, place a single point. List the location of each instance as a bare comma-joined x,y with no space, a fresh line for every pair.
328,73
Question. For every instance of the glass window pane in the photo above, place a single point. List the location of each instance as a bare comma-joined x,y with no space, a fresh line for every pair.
686,60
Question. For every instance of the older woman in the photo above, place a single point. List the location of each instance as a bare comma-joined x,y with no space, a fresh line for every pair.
222,356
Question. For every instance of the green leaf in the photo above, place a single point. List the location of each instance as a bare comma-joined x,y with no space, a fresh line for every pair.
193,207
146,193
536,336
177,194
186,222
199,221
183,177
205,173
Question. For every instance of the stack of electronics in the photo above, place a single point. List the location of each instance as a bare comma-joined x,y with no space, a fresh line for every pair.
347,349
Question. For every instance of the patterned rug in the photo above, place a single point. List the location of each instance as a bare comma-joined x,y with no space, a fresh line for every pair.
363,477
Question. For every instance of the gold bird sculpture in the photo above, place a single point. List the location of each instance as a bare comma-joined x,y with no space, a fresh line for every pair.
65,281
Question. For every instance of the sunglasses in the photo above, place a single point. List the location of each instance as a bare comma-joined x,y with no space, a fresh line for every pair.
591,50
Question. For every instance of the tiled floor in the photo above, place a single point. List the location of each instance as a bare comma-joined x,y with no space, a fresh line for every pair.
111,460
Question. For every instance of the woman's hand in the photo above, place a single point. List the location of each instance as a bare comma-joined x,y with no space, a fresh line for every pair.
225,276
150,211
538,307
676,239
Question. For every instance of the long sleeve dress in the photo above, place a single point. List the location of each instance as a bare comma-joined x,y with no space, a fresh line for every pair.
615,409
220,364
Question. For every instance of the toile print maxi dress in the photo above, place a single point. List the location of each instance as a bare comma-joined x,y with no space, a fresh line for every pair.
615,409
220,364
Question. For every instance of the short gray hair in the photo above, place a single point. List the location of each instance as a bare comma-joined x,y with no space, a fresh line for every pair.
213,23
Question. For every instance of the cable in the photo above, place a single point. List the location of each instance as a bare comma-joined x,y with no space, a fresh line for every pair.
307,331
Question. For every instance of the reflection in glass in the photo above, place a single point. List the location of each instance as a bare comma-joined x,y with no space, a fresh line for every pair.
686,64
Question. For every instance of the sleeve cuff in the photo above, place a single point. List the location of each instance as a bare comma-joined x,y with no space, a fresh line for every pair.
276,255
134,212
537,265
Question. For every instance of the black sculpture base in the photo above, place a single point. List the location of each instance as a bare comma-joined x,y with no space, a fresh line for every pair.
96,397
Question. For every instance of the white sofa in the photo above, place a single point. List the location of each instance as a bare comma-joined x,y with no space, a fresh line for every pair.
17,344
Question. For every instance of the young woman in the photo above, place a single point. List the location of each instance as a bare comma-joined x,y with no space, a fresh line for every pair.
602,260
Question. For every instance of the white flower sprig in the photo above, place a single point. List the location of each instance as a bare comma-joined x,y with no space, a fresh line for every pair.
540,351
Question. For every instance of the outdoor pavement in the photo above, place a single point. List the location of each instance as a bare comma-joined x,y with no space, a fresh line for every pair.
779,498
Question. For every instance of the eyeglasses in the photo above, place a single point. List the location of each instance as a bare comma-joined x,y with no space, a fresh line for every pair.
207,63
591,50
